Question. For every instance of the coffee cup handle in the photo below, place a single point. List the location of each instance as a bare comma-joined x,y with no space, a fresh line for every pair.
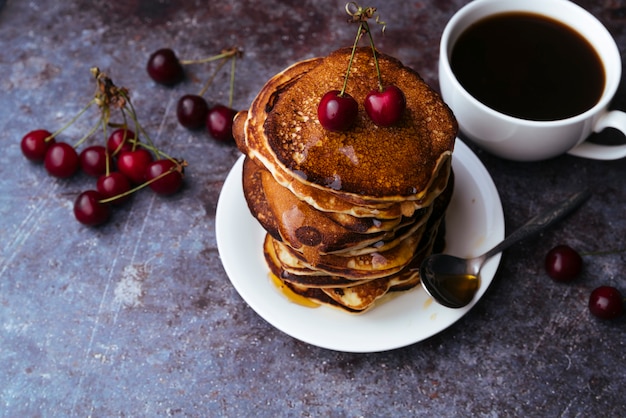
613,119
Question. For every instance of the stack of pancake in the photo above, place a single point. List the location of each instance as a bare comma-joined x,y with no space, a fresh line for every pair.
349,215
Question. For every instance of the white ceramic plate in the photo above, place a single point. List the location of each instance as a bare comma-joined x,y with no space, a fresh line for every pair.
474,223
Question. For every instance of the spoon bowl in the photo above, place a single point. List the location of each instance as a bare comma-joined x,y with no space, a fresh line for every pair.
453,281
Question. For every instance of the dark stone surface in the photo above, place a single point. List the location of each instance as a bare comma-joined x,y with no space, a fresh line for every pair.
138,318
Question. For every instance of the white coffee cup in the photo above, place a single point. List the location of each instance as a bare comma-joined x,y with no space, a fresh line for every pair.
527,140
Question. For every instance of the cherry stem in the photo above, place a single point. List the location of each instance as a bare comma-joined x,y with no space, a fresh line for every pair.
369,34
152,148
227,53
607,252
107,155
107,162
136,126
356,41
88,134
210,80
117,125
231,91
230,53
64,127
133,116
180,165
361,15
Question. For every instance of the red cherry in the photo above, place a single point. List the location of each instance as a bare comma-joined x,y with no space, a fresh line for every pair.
169,183
89,211
133,164
93,160
119,141
61,160
191,111
34,145
337,113
219,122
385,108
563,263
606,302
164,67
113,184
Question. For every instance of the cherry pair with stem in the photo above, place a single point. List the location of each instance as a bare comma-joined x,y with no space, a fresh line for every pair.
385,105
192,110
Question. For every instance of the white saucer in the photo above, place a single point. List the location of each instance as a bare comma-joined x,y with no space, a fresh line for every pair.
474,224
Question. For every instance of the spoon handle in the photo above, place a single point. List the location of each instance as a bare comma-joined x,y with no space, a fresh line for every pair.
541,221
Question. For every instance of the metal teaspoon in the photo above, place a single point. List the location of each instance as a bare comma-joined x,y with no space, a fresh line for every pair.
453,281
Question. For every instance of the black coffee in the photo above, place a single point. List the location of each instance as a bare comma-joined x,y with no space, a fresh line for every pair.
528,66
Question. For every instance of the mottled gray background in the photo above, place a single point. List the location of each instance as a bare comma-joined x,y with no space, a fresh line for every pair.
138,318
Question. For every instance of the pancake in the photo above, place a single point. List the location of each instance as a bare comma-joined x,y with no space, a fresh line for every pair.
367,164
349,215
359,297
295,222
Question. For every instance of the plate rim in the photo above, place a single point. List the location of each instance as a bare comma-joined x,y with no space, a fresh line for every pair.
463,158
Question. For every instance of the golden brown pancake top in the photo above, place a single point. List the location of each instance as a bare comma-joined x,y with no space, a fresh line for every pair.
367,159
